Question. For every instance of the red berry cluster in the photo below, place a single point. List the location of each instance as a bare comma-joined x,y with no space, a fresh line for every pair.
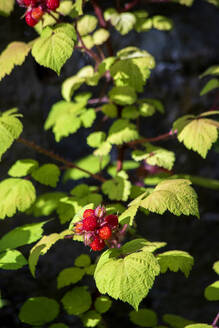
37,8
97,228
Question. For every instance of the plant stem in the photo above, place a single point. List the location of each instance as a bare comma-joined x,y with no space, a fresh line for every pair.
155,139
58,158
130,5
90,52
99,13
214,323
94,101
120,158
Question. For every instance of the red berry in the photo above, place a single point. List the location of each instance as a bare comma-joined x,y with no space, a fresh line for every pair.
30,2
78,227
29,19
52,4
97,244
37,13
90,223
112,220
105,232
88,213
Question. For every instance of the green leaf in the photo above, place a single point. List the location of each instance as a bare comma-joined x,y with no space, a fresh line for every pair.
212,291
199,325
74,82
100,36
155,156
176,321
41,248
175,261
77,301
38,311
69,276
141,244
127,73
123,95
13,55
86,24
54,46
216,267
123,22
90,163
143,23
129,214
15,194
22,168
162,23
185,2
110,110
11,259
83,261
64,119
91,318
91,269
88,117
6,7
118,188
10,129
174,195
22,235
95,139
103,150
213,70
58,325
46,203
130,112
143,318
121,131
102,304
142,58
115,275
197,134
66,209
47,174
209,86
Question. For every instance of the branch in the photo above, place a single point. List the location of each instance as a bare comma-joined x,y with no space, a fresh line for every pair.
214,323
98,100
120,158
155,139
130,5
99,13
90,52
57,158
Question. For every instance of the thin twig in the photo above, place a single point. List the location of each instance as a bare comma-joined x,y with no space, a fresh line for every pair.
214,323
100,100
99,13
90,52
120,158
164,136
58,158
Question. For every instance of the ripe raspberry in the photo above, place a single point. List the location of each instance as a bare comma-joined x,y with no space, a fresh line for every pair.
30,2
37,13
78,227
52,4
97,244
90,223
105,232
111,220
88,213
29,19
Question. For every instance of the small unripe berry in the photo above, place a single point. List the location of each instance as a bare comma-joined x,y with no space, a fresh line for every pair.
112,220
105,232
97,244
30,20
90,223
78,227
88,213
37,13
52,4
